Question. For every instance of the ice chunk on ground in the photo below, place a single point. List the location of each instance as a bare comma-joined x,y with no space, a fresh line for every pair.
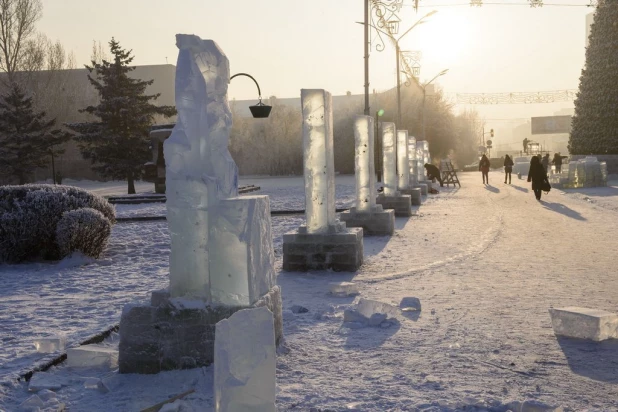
48,345
92,356
376,319
368,307
288,314
584,323
245,362
299,309
46,395
410,304
352,315
92,383
45,380
32,403
343,288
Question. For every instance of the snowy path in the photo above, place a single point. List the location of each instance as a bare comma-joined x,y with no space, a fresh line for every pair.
486,263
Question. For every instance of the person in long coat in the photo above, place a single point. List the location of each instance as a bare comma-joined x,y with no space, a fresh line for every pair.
538,176
545,162
508,168
484,168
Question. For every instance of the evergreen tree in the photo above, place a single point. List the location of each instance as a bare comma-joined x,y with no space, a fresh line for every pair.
26,137
595,123
118,143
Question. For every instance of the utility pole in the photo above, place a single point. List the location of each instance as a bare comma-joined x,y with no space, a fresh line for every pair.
366,29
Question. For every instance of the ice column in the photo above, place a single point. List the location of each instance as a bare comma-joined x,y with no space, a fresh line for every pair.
389,158
319,163
365,169
403,162
412,160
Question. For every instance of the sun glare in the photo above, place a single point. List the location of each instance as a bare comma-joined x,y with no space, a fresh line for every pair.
443,38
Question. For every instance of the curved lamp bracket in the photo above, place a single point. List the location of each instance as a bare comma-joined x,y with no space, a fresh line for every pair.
259,110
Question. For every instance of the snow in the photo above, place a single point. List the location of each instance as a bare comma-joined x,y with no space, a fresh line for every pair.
487,262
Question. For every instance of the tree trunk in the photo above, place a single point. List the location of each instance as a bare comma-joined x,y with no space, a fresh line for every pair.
131,181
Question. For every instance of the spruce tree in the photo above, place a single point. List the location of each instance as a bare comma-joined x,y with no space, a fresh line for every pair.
595,123
117,143
26,137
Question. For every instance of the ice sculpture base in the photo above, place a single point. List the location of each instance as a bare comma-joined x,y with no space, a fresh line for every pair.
341,250
378,222
401,204
583,323
415,195
174,333
424,188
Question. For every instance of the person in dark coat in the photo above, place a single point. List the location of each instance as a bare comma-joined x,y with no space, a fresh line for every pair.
484,168
508,168
433,173
545,162
538,176
557,161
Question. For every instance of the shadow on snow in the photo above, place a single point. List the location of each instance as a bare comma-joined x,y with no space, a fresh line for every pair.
594,360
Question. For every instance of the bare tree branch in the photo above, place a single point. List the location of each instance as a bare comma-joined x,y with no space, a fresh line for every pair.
17,27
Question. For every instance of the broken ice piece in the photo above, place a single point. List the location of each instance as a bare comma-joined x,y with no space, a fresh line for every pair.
92,356
45,395
92,383
376,319
32,403
299,309
352,315
583,323
45,380
343,288
244,376
368,307
48,345
410,304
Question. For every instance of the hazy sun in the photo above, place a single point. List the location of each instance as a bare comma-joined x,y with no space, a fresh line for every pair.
443,38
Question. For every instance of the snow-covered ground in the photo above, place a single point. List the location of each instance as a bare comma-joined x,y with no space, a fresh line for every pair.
486,262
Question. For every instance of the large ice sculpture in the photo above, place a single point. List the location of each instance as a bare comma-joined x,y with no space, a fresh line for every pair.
365,169
319,161
217,250
403,162
389,156
244,377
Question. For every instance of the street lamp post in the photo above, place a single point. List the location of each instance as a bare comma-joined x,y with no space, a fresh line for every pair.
378,146
442,73
396,41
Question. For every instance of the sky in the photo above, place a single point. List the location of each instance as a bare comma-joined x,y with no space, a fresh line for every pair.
288,45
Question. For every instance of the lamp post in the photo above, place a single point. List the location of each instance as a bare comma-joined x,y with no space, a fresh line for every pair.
259,110
378,146
396,41
442,73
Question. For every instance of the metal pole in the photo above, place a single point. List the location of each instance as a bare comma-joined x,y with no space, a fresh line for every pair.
366,27
53,167
378,151
398,87
424,113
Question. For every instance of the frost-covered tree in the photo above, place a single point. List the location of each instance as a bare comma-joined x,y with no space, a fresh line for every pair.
595,123
26,136
117,143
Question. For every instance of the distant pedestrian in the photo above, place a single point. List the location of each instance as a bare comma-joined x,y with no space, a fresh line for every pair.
545,162
557,161
508,168
484,168
526,145
538,176
433,173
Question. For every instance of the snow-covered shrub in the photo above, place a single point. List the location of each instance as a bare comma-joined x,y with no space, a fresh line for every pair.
86,230
29,215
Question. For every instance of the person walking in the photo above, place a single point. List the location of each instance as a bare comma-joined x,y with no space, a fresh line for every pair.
433,173
545,162
484,168
508,168
557,161
538,176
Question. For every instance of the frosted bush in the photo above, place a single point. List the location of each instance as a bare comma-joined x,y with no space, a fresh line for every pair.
86,230
29,215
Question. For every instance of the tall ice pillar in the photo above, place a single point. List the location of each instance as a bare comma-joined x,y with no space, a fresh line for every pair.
403,170
371,217
222,257
324,242
392,198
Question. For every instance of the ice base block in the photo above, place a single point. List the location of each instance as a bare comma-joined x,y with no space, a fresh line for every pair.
377,222
175,333
415,195
401,204
424,188
583,323
341,250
